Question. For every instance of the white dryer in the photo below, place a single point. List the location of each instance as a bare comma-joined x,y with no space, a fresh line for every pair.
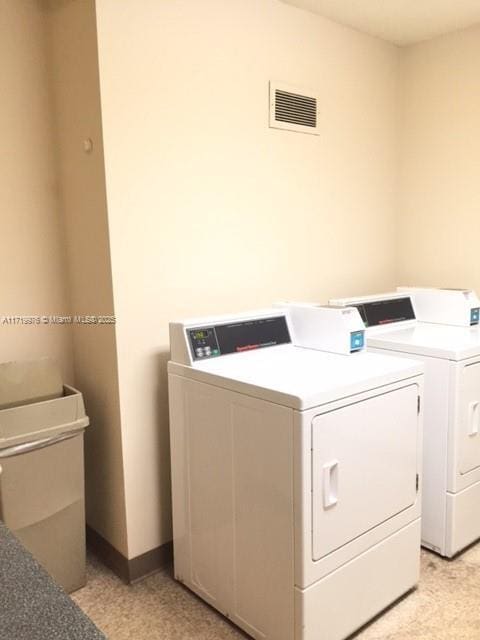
451,355
295,474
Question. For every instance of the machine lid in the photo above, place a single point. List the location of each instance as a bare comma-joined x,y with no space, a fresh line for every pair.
427,339
298,377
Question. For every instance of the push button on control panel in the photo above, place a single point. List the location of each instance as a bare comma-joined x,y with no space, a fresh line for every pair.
357,340
475,315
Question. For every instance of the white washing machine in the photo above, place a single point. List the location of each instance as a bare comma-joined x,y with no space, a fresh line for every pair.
451,355
295,472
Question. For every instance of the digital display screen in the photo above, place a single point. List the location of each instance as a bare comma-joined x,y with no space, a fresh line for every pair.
200,335
379,312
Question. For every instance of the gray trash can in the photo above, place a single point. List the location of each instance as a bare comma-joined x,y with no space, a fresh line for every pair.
42,495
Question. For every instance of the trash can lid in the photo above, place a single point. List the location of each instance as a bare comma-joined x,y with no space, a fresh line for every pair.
45,419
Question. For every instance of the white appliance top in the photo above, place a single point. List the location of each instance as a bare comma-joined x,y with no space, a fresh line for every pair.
428,339
391,324
298,377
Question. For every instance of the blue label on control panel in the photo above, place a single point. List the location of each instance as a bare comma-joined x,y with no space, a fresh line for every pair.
357,340
475,315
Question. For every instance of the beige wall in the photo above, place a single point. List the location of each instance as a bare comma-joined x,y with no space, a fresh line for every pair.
439,221
210,210
32,258
74,63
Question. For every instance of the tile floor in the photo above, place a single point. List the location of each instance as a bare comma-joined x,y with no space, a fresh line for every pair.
446,606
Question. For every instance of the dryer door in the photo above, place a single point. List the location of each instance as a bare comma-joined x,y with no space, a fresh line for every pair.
469,416
364,466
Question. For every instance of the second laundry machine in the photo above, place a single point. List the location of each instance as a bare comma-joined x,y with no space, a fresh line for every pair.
451,355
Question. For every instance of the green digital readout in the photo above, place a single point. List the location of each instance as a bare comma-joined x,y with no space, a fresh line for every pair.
200,335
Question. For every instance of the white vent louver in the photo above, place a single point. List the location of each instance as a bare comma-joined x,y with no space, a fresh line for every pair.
293,109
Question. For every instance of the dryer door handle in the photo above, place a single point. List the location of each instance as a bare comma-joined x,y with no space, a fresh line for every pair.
330,484
473,418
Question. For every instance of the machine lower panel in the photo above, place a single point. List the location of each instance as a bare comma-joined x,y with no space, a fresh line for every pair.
336,606
342,602
463,519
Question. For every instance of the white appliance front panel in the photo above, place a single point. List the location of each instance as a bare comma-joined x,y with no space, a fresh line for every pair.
468,432
308,570
364,467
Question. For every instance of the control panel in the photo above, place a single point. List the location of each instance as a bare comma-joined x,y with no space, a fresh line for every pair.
326,327
236,337
379,312
458,307
204,342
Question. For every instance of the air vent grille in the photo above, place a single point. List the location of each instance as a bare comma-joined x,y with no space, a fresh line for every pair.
293,109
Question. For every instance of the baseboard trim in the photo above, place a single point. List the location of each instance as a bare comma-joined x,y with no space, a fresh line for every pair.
151,561
129,570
